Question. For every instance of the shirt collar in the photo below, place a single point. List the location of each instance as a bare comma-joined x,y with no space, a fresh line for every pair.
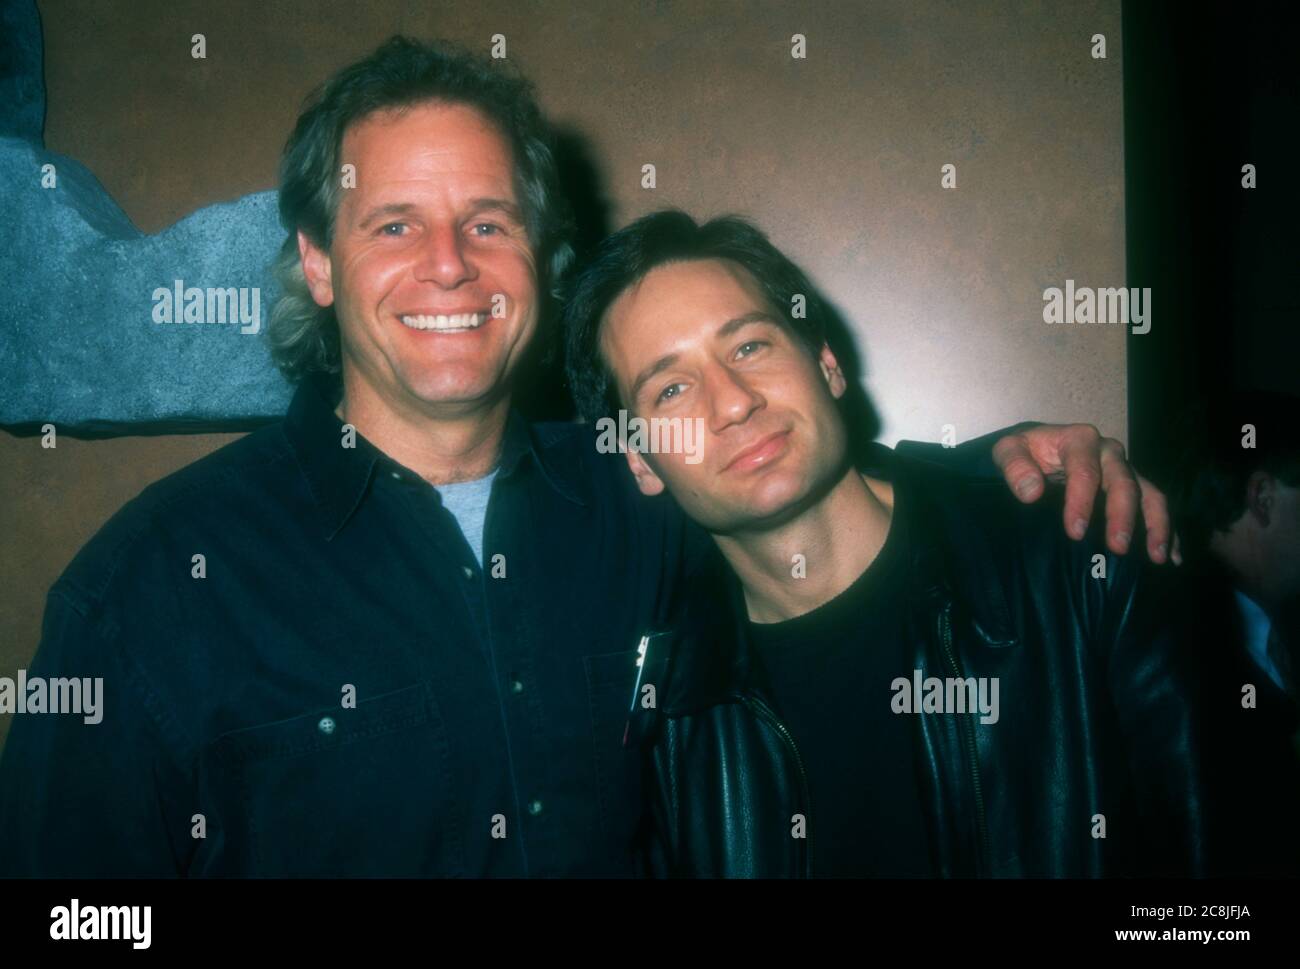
1256,628
338,477
524,440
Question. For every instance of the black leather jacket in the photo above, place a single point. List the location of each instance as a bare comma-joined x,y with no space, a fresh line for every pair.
1094,720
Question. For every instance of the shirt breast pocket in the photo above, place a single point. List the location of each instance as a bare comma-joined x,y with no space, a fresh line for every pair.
611,678
340,792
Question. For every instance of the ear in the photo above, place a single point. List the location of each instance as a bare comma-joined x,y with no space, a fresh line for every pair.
317,270
1261,490
831,372
649,482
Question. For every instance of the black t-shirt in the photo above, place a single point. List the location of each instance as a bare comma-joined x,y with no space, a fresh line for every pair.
828,673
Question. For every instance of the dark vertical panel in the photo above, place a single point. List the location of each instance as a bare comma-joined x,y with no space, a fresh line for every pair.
1208,89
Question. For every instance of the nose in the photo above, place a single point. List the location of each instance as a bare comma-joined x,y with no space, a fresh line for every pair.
441,258
731,399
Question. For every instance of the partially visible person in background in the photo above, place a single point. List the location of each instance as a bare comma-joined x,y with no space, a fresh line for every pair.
1238,514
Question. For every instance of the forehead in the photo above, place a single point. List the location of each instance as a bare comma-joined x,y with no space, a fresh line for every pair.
432,140
683,297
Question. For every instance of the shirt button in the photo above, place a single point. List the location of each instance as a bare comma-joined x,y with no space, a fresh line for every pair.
534,807
469,573
397,475
326,725
516,685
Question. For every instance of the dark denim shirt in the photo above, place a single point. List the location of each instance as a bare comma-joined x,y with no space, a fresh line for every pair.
337,687
490,703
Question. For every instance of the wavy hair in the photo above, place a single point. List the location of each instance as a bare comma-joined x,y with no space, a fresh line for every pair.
402,73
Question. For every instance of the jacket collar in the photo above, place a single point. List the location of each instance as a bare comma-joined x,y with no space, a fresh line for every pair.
956,553
339,477
951,558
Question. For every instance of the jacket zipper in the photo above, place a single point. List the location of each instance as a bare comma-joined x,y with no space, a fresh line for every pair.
766,714
945,627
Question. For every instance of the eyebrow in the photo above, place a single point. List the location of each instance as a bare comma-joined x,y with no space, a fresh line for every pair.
758,316
393,208
728,328
504,206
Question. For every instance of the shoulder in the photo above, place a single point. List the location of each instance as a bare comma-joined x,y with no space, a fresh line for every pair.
175,512
581,444
983,515
563,435
1001,549
589,457
570,449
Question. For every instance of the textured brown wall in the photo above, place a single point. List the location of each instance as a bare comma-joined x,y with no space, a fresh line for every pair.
838,156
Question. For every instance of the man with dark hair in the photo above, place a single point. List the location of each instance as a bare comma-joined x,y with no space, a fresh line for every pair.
1237,505
393,633
625,257
885,672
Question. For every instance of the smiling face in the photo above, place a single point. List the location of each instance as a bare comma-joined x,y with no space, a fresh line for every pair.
698,339
429,241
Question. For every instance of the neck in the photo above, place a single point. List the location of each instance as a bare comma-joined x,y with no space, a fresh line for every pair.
442,448
1240,551
838,537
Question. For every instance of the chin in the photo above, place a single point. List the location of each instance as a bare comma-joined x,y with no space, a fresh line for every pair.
444,392
776,494
447,385
772,503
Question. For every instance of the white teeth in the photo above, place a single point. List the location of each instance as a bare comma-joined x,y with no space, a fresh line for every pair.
456,321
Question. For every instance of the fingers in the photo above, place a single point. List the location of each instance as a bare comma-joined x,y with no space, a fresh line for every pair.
1155,513
1081,459
1019,469
1123,496
1089,461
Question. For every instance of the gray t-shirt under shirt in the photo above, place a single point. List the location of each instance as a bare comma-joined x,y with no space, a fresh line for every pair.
467,501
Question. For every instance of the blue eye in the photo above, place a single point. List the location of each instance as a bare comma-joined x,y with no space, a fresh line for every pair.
487,225
392,225
751,343
666,395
